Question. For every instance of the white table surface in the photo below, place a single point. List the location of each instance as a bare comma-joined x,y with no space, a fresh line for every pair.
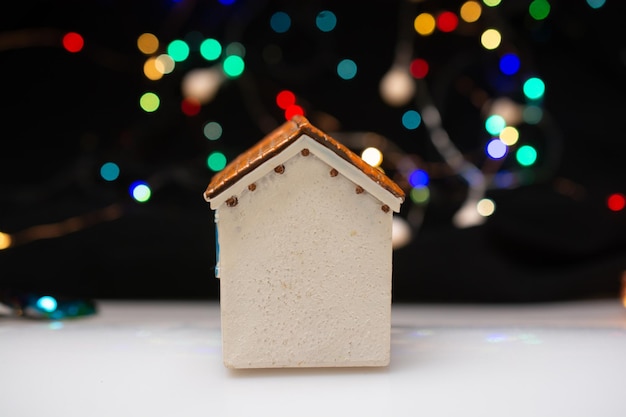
164,359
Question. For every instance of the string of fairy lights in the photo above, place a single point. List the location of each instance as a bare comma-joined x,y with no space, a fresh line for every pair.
508,114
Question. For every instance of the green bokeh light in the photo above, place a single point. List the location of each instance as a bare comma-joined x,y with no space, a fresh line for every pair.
526,155
178,50
539,9
494,124
216,161
534,88
210,49
149,102
233,66
420,195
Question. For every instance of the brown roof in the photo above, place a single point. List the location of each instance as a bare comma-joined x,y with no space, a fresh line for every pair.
276,141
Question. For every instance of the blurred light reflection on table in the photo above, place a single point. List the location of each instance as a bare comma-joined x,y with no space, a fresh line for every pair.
164,359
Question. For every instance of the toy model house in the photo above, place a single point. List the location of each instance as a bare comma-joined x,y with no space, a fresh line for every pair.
304,253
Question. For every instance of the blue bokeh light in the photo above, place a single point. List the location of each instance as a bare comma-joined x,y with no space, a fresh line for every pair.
411,119
110,171
346,69
47,304
496,149
326,21
280,22
140,191
509,64
419,178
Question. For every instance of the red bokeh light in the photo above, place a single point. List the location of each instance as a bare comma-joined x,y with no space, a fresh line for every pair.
285,98
190,106
293,110
447,22
73,42
419,68
616,202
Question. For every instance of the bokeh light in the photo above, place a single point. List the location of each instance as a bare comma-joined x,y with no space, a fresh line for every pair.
140,191
216,161
280,22
110,171
292,111
326,21
147,43
210,49
526,155
471,11
509,135
285,98
346,69
372,156
419,178
534,88
494,124
424,24
73,42
616,202
532,115
419,68
149,102
485,207
233,66
150,69
178,50
202,84
509,64
596,4
5,241
491,3
411,119
396,87
190,106
447,21
236,48
227,2
165,64
539,9
490,39
213,130
419,195
496,149
47,303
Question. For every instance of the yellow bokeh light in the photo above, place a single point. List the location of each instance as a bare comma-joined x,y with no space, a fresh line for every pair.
150,69
164,64
147,43
486,207
509,135
424,24
471,11
5,241
492,3
490,39
372,156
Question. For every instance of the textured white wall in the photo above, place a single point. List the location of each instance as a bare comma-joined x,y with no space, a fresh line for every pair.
305,269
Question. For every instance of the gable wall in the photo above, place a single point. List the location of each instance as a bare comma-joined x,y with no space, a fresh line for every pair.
305,268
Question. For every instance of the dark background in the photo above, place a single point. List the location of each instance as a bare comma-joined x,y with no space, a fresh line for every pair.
64,114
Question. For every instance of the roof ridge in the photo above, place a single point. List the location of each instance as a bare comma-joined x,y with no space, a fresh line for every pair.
279,139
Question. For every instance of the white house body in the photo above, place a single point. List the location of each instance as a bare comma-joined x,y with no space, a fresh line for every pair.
305,262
